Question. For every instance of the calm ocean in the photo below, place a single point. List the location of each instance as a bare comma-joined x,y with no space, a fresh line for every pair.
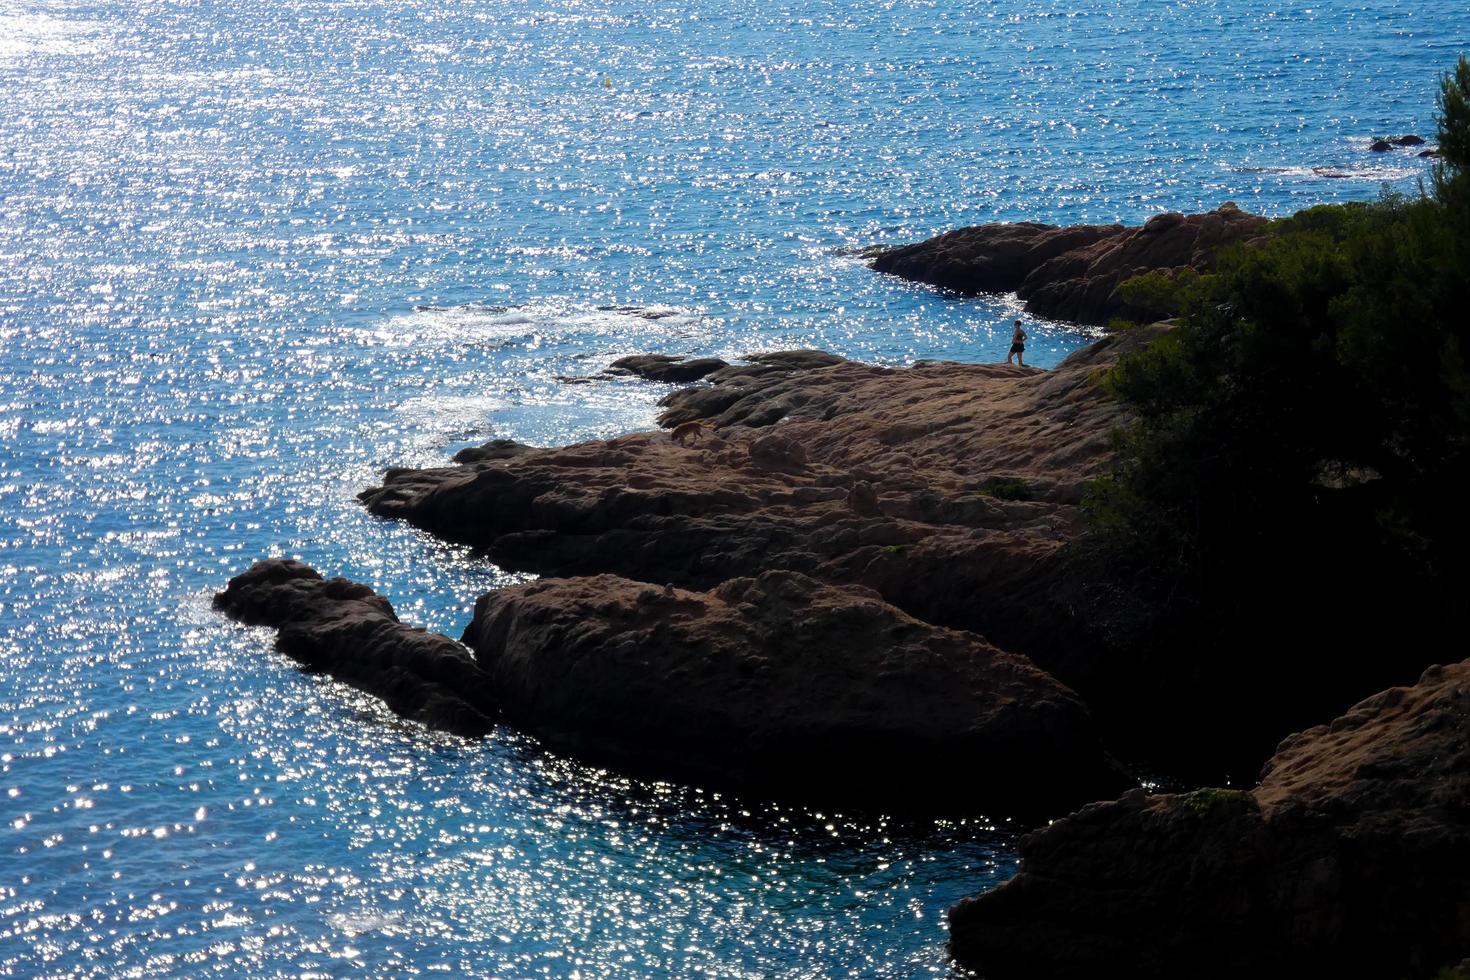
254,252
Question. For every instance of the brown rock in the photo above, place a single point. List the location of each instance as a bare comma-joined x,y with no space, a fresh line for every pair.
494,449
862,499
926,437
776,450
1069,273
927,440
950,450
1350,859
783,683
667,368
346,630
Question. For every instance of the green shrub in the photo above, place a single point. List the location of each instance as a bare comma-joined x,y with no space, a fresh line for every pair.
1301,442
1219,801
1157,295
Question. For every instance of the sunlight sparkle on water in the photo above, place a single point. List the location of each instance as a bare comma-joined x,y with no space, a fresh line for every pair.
254,253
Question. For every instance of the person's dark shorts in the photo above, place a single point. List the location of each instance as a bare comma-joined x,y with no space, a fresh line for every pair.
1018,348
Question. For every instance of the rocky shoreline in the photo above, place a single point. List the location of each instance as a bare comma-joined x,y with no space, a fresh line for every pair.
848,582
345,630
1351,858
1070,273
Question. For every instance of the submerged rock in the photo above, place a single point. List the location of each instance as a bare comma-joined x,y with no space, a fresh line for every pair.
783,683
1380,146
346,630
643,312
1351,858
1069,273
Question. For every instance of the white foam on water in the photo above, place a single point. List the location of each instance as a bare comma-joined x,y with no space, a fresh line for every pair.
539,324
1376,172
357,923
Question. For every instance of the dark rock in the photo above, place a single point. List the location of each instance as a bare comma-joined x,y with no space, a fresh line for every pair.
776,450
862,499
731,384
1431,153
1380,146
666,368
1350,859
643,508
642,312
1409,140
786,684
1069,273
921,438
492,450
346,630
797,360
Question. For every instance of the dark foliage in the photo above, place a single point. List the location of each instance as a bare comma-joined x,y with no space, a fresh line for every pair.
1004,488
1292,500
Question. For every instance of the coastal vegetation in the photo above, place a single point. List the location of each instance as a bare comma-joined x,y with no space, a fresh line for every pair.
1292,487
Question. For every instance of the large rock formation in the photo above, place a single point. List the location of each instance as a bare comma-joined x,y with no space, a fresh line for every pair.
1350,859
953,490
1069,273
770,486
946,487
783,683
778,683
346,630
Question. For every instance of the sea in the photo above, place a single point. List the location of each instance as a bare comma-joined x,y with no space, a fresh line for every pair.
252,253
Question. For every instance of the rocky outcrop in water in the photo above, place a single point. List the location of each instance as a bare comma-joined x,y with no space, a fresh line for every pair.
953,490
848,472
666,367
784,683
1069,273
345,630
1350,859
779,683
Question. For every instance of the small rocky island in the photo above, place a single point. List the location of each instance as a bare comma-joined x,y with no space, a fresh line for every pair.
855,583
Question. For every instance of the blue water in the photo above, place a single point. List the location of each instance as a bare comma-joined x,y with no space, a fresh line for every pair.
254,252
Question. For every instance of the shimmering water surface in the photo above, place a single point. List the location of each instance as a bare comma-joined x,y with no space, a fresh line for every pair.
253,252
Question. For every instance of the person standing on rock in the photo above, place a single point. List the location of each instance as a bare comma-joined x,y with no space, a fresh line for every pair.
1018,346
